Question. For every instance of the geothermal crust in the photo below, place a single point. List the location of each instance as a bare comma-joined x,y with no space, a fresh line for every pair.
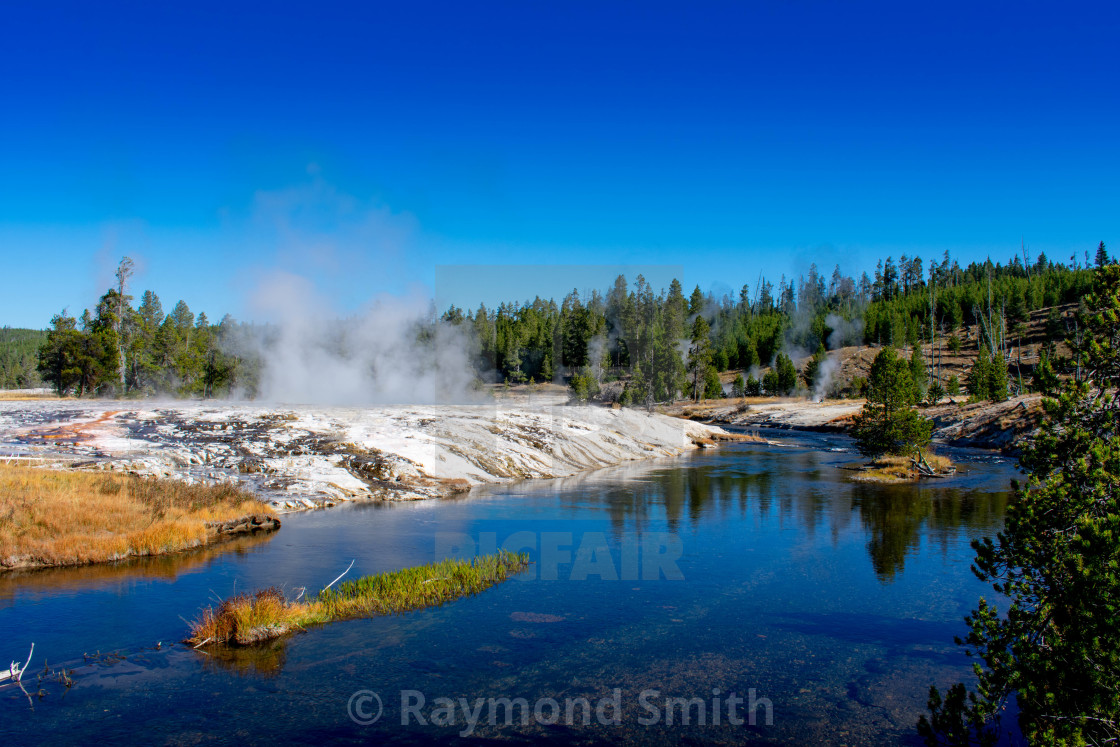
309,456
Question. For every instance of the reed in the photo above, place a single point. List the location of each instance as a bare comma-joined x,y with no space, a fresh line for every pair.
55,518
246,619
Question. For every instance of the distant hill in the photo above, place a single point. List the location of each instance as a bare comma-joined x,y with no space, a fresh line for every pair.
19,356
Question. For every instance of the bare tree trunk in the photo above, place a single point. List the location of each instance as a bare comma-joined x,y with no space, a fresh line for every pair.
124,272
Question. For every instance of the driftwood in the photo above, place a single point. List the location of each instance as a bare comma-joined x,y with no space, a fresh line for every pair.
923,468
15,671
332,583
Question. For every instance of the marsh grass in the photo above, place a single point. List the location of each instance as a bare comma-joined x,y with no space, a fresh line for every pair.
246,619
57,518
893,470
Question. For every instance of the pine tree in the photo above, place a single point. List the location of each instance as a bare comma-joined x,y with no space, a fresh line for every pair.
713,388
738,386
1044,379
696,302
1056,650
770,384
887,424
676,311
699,356
813,367
1102,256
59,355
987,379
786,373
918,375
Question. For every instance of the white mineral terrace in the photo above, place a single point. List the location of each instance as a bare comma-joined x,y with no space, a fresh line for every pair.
308,456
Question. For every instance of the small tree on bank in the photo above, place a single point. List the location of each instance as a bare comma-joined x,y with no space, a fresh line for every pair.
887,423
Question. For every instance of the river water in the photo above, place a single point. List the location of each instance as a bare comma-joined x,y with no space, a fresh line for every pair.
751,571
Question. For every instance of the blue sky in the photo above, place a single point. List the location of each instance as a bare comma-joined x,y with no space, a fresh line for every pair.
361,146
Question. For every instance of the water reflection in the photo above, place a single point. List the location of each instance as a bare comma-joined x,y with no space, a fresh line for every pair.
267,659
897,517
808,490
85,577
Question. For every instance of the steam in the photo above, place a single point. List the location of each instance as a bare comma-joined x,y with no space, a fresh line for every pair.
825,372
844,332
596,354
393,352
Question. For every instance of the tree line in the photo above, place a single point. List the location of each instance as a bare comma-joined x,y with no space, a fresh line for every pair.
631,343
120,349
656,343
19,358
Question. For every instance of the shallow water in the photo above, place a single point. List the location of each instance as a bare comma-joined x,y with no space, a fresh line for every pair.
747,568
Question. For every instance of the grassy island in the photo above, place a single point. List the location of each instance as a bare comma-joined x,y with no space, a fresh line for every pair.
247,619
892,470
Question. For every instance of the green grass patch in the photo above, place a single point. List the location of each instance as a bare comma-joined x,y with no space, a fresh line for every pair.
247,619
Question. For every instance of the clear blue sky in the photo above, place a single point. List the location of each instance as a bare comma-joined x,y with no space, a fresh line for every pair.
361,146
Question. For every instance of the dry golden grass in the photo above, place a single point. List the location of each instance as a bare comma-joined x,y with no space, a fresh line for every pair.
19,395
892,470
53,518
733,436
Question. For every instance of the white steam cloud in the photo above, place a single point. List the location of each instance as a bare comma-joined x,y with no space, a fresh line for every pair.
825,373
393,352
844,332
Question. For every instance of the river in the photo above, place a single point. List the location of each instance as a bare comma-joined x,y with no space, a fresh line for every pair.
749,572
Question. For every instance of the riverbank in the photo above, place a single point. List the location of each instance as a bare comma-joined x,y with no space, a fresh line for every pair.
307,457
997,426
51,518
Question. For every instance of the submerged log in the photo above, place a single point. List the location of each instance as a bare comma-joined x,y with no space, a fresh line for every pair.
244,525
